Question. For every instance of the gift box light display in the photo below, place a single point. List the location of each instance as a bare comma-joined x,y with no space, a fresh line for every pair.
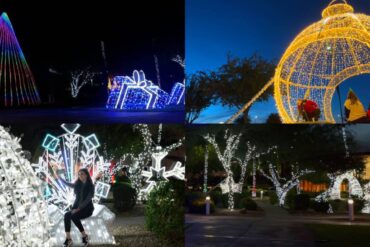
23,212
65,155
17,85
138,93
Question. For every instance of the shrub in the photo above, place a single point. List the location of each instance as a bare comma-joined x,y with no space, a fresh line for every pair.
320,206
248,203
217,198
359,204
164,213
124,196
290,197
199,206
273,198
301,202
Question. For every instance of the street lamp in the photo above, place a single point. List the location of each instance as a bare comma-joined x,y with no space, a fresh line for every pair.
208,205
351,214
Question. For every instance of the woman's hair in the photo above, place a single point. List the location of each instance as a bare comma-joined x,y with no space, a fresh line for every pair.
89,183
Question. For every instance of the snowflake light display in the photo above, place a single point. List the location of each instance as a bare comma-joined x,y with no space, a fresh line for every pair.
319,59
158,173
138,162
138,93
17,84
65,155
23,212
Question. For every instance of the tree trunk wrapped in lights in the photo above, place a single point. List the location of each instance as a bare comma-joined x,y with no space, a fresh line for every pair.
282,185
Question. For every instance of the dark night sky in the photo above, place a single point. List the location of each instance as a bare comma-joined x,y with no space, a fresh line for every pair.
65,35
244,27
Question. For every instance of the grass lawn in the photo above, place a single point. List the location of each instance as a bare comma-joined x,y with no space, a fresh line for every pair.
339,235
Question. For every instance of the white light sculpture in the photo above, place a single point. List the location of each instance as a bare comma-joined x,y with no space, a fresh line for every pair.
158,173
138,162
23,212
66,155
366,209
336,181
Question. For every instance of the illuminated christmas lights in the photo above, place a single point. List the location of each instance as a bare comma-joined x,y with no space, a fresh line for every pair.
64,156
282,185
17,84
320,58
334,190
138,93
158,173
23,215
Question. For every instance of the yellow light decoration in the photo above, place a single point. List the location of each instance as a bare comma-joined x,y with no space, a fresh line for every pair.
319,59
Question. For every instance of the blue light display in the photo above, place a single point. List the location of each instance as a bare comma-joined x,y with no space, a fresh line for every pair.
138,93
177,96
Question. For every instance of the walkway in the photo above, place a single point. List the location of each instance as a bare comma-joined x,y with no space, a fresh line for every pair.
276,228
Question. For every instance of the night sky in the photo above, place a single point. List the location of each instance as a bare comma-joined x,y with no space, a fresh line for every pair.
64,36
244,27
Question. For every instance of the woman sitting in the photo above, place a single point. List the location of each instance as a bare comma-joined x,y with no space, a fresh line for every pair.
82,207
355,111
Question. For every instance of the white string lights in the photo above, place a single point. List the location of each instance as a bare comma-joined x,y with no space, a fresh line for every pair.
66,155
282,185
228,185
23,215
137,163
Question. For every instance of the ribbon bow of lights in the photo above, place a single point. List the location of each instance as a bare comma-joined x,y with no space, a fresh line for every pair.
138,93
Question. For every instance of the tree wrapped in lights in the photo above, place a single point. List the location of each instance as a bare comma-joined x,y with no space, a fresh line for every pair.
320,58
23,212
282,185
65,156
151,152
80,78
226,156
17,84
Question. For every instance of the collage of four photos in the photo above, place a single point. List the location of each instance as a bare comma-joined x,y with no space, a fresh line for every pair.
185,123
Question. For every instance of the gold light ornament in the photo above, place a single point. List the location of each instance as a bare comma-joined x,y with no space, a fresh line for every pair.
320,58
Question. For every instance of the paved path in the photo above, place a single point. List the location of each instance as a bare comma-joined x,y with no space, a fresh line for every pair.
276,228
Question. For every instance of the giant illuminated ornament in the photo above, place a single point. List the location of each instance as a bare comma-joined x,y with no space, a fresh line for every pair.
23,212
319,59
64,156
138,93
17,85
